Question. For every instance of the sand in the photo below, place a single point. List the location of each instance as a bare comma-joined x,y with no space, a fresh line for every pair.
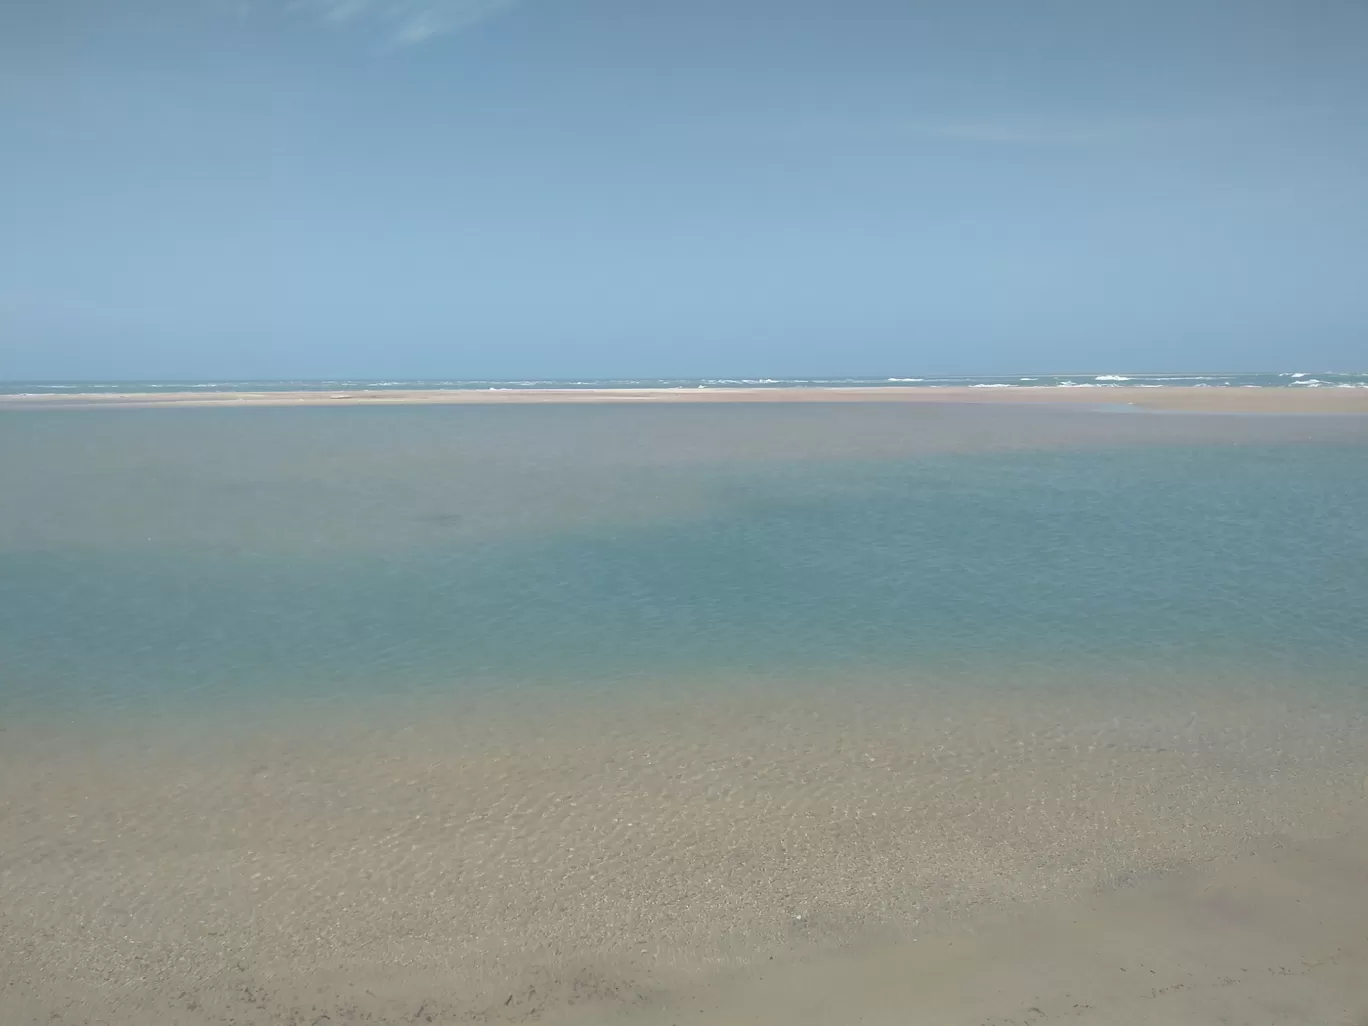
467,863
1219,399
1268,937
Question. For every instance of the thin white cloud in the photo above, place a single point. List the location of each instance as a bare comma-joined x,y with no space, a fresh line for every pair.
407,22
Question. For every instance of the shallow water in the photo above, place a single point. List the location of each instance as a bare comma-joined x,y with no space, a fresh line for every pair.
458,696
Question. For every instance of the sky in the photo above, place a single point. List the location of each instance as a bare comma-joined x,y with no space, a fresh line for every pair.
229,189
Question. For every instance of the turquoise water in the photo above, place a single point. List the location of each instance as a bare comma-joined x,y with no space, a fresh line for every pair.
173,558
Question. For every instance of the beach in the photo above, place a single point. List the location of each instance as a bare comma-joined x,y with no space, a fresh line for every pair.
789,859
518,513
1206,399
1272,936
763,712
925,856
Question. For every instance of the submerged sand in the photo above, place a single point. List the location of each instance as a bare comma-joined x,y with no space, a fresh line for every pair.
1215,399
1270,937
719,853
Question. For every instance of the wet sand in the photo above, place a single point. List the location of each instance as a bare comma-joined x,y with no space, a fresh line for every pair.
1272,937
650,858
1220,399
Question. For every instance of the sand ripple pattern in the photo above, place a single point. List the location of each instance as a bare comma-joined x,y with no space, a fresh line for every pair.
463,863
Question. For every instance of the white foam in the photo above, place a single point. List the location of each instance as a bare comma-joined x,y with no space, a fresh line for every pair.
1112,377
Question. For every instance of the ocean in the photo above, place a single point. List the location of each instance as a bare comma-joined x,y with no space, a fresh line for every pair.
1092,379
574,703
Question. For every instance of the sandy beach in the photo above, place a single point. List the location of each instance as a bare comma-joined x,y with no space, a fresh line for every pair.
608,514
1217,399
923,712
1271,937
924,856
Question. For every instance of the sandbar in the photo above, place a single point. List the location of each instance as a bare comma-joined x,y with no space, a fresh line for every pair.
1214,399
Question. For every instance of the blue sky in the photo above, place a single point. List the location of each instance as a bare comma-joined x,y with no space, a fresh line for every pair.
512,188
